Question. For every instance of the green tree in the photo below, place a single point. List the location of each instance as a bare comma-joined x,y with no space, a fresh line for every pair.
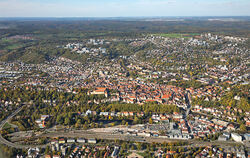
67,121
59,119
78,123
243,128
150,121
135,121
47,150
126,124
123,122
139,146
210,153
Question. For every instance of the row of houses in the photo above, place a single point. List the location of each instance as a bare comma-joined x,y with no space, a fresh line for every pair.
73,140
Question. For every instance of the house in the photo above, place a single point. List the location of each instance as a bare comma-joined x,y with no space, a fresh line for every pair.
44,117
71,140
179,136
93,141
81,140
100,91
38,121
143,134
131,113
171,152
231,127
248,123
104,113
227,135
88,112
41,123
222,138
236,137
168,156
100,147
33,152
177,117
113,114
241,154
64,150
61,141
54,141
247,136
115,152
125,114
220,122
134,155
140,114
106,154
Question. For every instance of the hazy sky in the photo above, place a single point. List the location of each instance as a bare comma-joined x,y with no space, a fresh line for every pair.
123,8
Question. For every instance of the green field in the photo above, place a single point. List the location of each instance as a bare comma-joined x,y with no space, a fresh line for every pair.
175,35
14,46
8,44
6,40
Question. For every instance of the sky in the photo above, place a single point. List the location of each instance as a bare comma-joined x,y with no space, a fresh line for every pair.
123,8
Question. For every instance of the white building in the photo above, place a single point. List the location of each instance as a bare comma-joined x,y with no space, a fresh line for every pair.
81,140
70,140
93,141
236,137
247,136
115,152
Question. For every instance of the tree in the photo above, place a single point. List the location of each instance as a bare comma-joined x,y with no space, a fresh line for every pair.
132,147
135,121
78,123
59,119
124,146
210,153
176,155
47,150
126,124
101,124
67,121
121,151
139,146
123,122
85,126
243,128
42,140
92,125
150,121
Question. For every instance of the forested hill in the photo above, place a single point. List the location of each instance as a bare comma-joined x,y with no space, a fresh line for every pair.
47,33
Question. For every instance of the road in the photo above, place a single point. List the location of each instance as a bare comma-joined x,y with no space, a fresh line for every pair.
10,144
188,102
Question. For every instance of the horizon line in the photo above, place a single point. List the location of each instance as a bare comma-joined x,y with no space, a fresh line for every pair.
123,16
